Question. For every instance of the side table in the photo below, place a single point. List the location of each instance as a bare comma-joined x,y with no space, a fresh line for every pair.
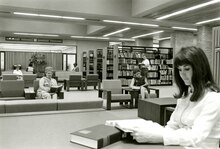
154,108
134,94
29,93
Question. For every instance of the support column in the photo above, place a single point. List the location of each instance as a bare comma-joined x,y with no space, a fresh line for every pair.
181,39
204,39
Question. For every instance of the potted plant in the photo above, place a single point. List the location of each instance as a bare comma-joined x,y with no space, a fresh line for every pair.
38,61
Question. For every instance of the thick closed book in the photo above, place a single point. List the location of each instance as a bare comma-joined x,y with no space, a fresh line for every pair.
96,136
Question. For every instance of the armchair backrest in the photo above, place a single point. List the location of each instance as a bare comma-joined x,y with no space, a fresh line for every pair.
36,85
112,85
75,77
92,77
29,77
9,77
12,88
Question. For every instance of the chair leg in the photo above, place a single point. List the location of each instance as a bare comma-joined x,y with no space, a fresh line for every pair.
108,101
131,104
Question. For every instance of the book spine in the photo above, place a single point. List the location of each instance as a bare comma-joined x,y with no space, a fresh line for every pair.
109,140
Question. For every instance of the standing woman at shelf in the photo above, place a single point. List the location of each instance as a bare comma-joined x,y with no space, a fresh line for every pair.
145,66
195,122
45,84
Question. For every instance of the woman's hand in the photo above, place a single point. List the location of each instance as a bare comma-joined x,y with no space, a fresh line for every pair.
151,133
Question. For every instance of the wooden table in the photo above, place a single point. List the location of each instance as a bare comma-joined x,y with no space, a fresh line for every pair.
52,131
154,108
29,93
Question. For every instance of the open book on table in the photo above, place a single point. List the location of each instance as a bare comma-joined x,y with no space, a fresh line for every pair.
128,125
56,89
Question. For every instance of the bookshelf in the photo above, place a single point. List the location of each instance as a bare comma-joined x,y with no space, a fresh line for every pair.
110,66
99,61
161,60
91,62
84,63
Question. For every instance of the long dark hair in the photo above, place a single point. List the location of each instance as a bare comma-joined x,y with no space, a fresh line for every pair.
202,76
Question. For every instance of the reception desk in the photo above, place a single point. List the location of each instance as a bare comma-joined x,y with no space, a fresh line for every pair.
51,130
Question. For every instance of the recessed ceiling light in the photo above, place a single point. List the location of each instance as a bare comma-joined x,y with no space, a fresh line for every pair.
143,35
130,23
207,21
118,31
33,34
189,9
184,28
48,16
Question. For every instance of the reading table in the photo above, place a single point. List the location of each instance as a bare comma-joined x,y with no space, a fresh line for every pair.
51,130
154,108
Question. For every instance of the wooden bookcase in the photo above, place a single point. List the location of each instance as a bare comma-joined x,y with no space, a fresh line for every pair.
161,60
110,64
91,62
99,62
84,63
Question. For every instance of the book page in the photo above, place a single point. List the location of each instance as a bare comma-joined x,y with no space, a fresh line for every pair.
129,124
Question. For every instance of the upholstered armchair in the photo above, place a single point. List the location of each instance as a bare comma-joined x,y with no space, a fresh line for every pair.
9,77
92,80
60,95
12,90
75,80
112,92
29,79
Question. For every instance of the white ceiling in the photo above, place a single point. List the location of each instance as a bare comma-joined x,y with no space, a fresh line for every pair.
95,11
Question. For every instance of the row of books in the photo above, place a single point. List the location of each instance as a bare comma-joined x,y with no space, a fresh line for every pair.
125,73
125,66
165,72
109,68
125,82
160,61
166,77
128,61
108,62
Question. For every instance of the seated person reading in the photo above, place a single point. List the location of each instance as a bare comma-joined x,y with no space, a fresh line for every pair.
45,85
30,68
139,82
18,72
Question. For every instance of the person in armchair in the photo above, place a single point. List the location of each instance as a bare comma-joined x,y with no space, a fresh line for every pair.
140,83
45,85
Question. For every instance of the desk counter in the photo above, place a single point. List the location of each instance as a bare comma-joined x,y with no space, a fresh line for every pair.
51,130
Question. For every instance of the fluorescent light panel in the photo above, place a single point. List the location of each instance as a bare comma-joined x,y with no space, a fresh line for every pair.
126,39
89,37
33,34
116,32
130,23
165,38
189,9
143,35
184,28
207,21
49,16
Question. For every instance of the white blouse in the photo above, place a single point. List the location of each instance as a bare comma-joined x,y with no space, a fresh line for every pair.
195,124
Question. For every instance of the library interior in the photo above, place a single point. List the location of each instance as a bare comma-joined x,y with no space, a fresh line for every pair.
68,65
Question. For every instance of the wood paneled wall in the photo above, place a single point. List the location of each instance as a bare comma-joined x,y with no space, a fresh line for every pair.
13,57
